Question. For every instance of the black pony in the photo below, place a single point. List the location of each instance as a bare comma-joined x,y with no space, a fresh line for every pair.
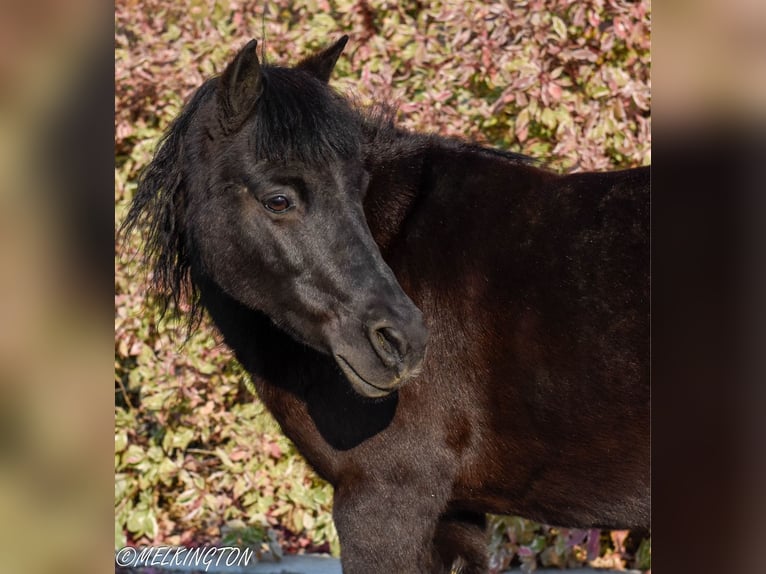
444,330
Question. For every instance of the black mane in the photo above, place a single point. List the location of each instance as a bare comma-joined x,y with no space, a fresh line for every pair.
157,209
298,118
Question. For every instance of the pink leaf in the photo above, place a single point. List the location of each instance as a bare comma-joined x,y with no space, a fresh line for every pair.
555,91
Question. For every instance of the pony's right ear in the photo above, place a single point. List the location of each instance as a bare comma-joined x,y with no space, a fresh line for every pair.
322,64
241,85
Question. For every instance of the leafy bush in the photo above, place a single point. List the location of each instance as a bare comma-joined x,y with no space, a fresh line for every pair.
195,450
196,457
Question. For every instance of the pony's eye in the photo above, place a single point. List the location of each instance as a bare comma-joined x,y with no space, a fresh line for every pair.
277,204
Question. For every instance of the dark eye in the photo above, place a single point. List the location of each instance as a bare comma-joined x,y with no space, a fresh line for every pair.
277,204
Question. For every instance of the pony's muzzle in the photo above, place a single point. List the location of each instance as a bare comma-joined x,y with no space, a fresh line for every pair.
392,354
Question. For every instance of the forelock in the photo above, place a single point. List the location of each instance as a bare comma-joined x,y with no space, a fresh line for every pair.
299,118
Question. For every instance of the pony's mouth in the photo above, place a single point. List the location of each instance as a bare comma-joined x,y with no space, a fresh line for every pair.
360,384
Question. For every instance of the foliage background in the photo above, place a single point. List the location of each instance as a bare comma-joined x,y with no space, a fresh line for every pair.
197,459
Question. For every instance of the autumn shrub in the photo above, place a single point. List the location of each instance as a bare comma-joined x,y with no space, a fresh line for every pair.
197,458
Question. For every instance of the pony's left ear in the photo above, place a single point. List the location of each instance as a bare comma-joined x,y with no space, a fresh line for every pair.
321,64
241,85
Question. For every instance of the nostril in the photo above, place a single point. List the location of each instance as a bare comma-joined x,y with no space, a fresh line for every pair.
389,344
394,340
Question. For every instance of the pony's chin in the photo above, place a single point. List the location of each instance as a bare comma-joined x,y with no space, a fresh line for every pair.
360,384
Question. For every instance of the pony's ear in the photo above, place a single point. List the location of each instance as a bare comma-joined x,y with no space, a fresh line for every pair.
321,64
241,84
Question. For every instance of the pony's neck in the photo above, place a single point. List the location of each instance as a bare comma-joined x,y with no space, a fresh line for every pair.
404,165
396,161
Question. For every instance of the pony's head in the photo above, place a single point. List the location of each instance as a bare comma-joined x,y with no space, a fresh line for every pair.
257,187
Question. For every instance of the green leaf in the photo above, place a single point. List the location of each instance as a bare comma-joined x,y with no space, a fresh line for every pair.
120,539
644,555
166,471
224,457
548,118
538,544
143,523
120,441
155,454
249,385
133,455
156,401
179,438
335,546
123,487
308,521
559,27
